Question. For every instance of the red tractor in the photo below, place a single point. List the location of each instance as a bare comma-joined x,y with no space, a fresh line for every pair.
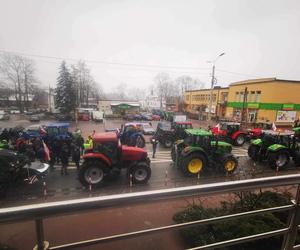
258,128
230,132
108,157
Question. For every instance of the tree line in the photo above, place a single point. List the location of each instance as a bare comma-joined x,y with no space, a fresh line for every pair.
17,79
75,87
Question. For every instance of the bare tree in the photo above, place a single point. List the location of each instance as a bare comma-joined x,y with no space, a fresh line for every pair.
165,87
19,72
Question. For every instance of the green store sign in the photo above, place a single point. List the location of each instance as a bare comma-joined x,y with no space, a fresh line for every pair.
288,107
253,105
265,106
123,106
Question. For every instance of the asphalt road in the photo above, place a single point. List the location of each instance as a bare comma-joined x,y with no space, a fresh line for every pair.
164,173
64,229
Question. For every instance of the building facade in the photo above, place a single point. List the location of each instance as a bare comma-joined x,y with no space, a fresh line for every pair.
258,100
264,100
196,102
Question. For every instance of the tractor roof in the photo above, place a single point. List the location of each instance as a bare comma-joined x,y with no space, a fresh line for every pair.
59,125
198,132
105,137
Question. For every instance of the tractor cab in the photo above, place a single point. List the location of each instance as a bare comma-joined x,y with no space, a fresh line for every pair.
258,128
59,131
131,134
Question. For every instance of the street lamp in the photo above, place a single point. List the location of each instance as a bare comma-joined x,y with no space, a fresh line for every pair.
212,83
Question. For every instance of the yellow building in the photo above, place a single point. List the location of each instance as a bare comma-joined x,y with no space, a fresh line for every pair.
197,102
267,99
258,100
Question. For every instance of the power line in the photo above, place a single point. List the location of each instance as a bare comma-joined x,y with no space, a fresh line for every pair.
104,62
236,73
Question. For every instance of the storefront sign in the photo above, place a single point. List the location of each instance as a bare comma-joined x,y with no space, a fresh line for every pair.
288,106
123,106
253,105
286,116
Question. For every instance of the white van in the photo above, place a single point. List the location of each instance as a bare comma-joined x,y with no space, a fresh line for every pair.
97,116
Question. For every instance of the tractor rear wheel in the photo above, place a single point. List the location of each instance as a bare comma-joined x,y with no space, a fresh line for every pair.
240,140
229,163
278,159
140,141
168,143
141,173
253,152
193,164
92,173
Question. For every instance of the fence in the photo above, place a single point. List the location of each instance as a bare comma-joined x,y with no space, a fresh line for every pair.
39,212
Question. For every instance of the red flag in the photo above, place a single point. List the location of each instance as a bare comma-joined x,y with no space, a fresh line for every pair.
47,152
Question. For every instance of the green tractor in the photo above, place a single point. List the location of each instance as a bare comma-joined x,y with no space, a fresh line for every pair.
199,151
276,148
297,133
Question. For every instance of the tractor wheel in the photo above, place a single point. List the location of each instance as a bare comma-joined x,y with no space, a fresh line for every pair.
141,173
240,140
92,172
278,159
253,152
173,153
168,143
140,141
229,163
192,164
296,158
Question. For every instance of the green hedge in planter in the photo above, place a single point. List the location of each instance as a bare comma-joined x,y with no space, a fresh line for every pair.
246,201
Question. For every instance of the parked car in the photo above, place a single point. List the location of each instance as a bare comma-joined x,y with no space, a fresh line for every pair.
146,117
34,118
155,118
84,117
147,129
97,116
4,116
128,117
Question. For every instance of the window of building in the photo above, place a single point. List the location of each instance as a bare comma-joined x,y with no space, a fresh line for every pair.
237,96
252,96
257,97
214,97
241,96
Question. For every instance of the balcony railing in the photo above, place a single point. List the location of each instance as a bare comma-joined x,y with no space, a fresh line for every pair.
39,212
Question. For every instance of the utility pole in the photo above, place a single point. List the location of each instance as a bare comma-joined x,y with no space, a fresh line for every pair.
211,92
212,84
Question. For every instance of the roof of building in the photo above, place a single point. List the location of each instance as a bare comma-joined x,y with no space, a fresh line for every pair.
105,137
218,88
263,80
133,104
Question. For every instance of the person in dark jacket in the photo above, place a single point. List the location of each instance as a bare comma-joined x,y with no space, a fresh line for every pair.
75,150
64,158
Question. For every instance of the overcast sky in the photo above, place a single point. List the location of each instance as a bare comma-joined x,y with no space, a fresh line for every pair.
260,38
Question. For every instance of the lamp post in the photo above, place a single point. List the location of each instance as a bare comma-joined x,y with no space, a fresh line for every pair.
212,84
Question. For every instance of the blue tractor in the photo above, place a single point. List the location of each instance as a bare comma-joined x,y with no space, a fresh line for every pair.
131,135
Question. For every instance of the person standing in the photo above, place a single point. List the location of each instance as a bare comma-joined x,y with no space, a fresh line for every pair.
75,149
64,158
154,143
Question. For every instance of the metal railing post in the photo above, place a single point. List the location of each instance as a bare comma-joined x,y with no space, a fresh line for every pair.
41,244
294,222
